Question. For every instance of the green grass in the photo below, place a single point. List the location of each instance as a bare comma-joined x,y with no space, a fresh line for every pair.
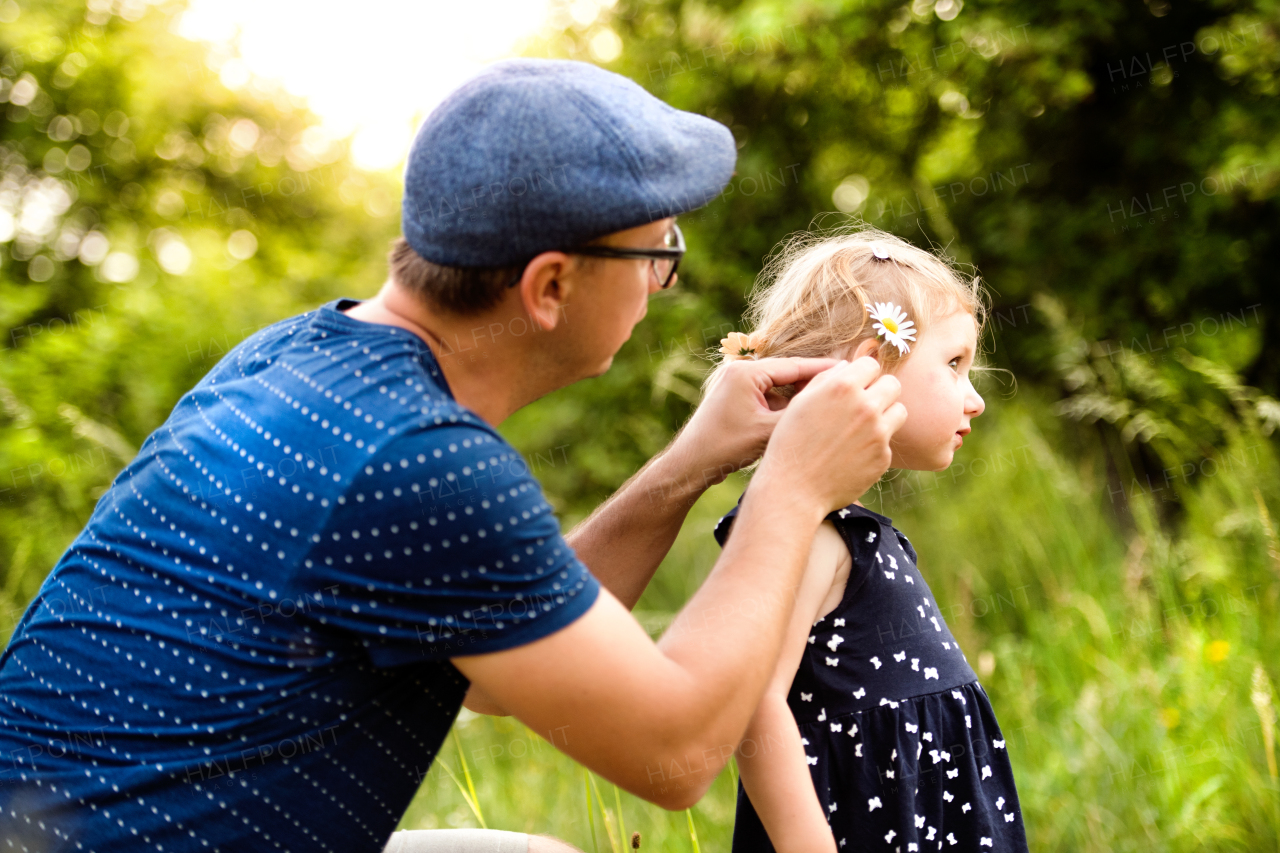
1119,656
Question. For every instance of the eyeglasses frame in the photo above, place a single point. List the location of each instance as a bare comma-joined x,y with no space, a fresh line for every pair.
675,253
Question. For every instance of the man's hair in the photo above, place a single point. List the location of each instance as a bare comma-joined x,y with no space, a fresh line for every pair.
464,291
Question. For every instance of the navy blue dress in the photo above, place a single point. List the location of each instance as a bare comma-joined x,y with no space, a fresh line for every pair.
903,747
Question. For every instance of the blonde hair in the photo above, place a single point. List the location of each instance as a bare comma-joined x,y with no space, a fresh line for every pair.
812,297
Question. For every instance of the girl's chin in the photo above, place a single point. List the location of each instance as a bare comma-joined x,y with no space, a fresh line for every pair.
941,462
945,458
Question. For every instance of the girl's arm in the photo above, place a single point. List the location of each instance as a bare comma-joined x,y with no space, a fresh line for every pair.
771,758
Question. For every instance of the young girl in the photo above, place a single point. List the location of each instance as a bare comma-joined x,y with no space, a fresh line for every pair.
874,733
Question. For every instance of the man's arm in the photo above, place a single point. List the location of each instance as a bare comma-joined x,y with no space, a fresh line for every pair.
771,758
662,721
626,538
624,541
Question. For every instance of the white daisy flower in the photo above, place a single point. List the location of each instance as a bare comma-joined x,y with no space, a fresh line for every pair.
891,322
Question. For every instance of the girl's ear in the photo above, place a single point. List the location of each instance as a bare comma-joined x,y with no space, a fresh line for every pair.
868,347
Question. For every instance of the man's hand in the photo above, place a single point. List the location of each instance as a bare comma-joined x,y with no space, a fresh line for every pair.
832,441
661,721
627,536
731,427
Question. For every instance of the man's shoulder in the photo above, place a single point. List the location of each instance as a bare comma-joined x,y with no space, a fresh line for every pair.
453,459
369,380
441,432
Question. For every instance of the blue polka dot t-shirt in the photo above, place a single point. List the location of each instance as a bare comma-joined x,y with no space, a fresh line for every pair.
247,648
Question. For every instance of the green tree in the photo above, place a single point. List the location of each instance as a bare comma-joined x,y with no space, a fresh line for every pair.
1120,158
150,219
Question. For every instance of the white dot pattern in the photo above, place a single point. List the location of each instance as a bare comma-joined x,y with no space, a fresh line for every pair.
258,619
896,718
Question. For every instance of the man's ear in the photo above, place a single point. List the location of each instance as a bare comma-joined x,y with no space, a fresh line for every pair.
544,289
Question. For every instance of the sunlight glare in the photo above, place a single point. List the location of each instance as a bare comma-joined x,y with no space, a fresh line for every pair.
375,68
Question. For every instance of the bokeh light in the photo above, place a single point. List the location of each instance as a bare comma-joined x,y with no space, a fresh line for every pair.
376,73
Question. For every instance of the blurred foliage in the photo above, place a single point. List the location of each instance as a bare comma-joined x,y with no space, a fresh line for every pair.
150,219
1122,157
1105,545
1120,664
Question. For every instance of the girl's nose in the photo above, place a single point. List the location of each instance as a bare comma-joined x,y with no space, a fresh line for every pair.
974,405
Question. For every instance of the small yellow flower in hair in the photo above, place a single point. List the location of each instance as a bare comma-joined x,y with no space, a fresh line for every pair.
891,322
738,345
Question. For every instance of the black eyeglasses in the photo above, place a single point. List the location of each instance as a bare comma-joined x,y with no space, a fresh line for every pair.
663,262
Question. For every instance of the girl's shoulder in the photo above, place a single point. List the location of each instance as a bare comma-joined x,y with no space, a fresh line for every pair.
855,519
864,531
866,535
861,529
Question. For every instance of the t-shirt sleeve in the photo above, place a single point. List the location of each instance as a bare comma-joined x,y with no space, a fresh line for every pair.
443,545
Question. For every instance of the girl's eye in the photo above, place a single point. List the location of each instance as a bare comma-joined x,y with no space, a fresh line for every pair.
953,361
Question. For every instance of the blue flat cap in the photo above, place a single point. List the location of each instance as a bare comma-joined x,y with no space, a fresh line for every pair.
534,155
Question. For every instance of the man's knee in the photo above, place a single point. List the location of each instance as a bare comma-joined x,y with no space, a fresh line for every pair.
464,841
547,844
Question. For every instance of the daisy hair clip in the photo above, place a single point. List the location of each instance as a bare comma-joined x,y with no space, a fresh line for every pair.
740,346
890,322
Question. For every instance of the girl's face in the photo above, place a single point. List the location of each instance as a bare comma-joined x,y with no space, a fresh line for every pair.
936,391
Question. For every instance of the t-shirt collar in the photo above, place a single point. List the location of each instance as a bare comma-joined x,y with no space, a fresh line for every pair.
330,315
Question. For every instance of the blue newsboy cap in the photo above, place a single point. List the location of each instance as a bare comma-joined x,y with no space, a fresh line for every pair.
534,155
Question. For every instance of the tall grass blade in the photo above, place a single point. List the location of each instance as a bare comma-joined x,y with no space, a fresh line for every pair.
475,807
1262,704
591,818
474,801
693,833
605,817
622,824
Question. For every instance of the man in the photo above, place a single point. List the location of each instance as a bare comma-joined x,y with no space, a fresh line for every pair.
268,625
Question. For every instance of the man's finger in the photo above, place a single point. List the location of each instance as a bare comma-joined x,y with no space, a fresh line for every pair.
864,371
788,371
895,416
885,391
801,385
